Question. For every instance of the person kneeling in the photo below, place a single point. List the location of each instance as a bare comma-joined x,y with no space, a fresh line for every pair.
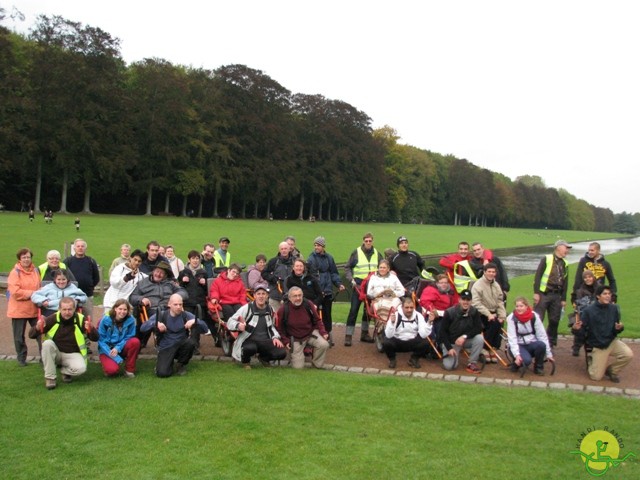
64,342
118,343
173,337
300,325
258,333
406,331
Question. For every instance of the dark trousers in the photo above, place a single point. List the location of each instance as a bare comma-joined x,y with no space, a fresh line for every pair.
492,332
267,350
418,346
532,350
353,311
325,306
181,352
19,326
550,303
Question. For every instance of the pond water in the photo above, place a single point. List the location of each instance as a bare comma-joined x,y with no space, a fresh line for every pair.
524,261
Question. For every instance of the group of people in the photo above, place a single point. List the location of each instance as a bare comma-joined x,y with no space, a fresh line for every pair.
284,305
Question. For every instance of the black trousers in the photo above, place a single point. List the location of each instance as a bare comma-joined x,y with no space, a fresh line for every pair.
267,350
181,352
418,346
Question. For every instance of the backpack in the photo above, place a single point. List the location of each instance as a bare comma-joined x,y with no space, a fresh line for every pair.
161,317
285,316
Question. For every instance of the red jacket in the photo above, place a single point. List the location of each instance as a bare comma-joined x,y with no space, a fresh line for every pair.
228,292
434,299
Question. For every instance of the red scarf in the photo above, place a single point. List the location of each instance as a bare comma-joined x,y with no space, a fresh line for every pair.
525,317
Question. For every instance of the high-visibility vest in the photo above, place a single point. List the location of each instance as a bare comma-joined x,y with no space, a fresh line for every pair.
460,281
78,333
364,266
43,268
547,271
218,259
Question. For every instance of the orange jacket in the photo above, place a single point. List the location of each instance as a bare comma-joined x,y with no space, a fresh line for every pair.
22,283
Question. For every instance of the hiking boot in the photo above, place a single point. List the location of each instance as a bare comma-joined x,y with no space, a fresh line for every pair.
67,378
347,340
392,363
366,338
612,376
514,367
473,368
265,363
129,374
575,351
331,342
181,369
414,362
50,383
538,371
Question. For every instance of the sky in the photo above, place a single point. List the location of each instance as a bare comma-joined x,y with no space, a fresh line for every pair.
546,88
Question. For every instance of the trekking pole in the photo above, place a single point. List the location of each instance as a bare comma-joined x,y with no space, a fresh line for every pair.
144,316
494,352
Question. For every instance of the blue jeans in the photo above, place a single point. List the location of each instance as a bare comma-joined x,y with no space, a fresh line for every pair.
533,350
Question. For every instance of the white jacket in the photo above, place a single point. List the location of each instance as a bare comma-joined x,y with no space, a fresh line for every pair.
119,288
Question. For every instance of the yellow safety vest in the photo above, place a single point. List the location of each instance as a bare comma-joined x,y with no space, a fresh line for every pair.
78,333
218,259
547,271
462,282
43,268
364,266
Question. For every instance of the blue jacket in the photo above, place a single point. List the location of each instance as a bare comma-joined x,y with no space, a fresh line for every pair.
114,336
52,293
324,266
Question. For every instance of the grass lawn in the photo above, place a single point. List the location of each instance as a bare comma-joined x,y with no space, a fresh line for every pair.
223,422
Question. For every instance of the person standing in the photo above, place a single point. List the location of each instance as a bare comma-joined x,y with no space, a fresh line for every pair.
207,261
601,322
176,264
362,261
23,281
152,258
222,257
124,279
406,263
324,267
125,250
276,271
594,261
481,257
458,268
77,224
550,286
86,272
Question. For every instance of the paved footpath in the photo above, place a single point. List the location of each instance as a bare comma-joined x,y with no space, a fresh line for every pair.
363,358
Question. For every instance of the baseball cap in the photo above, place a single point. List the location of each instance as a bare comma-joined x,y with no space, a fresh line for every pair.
401,239
224,239
261,286
562,242
465,294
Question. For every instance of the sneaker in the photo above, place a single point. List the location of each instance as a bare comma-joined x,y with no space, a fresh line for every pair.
67,378
493,358
473,368
181,369
347,340
486,353
129,374
50,383
392,363
366,338
414,362
612,376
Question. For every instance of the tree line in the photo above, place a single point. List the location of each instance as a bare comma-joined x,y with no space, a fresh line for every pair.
80,130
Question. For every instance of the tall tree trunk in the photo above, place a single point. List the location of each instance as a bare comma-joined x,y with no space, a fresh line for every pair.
319,209
243,214
184,206
65,188
149,197
255,209
311,207
200,205
230,206
301,209
86,208
167,201
269,206
36,204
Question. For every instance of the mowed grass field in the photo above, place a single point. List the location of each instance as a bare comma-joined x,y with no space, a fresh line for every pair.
222,422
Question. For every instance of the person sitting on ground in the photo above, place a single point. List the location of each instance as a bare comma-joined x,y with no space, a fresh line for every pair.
299,325
48,297
52,264
601,324
406,331
174,339
258,333
124,279
229,291
582,298
461,328
527,338
118,344
175,263
254,273
64,342
384,289
309,284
